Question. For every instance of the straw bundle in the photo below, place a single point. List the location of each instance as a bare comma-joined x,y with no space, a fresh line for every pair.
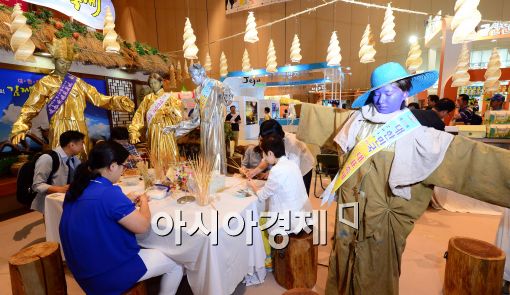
201,169
143,169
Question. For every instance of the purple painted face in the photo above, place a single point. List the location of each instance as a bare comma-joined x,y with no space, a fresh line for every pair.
389,98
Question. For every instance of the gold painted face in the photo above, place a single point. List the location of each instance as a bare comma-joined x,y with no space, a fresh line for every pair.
62,66
155,85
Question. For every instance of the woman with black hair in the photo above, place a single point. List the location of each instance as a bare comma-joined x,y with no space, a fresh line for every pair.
295,150
98,228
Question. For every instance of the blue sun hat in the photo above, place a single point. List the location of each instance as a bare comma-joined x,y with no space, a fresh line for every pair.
392,72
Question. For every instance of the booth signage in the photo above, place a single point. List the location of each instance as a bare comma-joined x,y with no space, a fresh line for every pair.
89,12
252,82
493,29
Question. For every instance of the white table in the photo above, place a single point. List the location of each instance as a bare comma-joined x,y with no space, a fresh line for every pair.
210,269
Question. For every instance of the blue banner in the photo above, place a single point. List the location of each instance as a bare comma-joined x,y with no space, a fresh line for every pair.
14,91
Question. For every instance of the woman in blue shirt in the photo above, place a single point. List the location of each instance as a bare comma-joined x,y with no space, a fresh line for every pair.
98,228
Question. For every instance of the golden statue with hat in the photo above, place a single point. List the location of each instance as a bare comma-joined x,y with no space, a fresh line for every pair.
65,97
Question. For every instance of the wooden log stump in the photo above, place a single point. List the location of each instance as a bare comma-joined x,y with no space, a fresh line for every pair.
473,267
300,291
38,269
138,289
296,265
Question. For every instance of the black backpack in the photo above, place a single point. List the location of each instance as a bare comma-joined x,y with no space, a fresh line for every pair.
24,193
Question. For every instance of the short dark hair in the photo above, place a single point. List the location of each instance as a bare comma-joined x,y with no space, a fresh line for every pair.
271,127
70,136
119,133
233,107
433,97
404,84
414,105
464,97
267,109
445,104
273,143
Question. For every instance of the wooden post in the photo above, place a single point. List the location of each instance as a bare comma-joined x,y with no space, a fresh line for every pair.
38,269
473,267
138,289
296,265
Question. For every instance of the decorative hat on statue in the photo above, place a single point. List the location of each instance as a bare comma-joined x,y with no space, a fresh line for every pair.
392,72
62,49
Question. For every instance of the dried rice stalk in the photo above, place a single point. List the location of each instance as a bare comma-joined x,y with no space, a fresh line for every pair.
201,169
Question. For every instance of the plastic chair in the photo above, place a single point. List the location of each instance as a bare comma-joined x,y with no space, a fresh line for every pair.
327,165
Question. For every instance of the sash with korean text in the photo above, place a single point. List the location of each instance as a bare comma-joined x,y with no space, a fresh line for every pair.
61,95
156,106
384,136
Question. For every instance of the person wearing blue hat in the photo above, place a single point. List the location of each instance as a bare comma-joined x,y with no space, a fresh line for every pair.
391,164
497,102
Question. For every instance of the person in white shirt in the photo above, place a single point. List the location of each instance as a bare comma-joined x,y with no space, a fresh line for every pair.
295,150
284,188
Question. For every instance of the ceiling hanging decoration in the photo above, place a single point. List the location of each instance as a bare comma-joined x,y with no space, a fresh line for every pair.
334,58
388,27
461,76
223,65
367,52
208,62
110,43
185,73
189,47
171,74
493,72
21,43
414,60
271,58
251,34
246,61
178,72
464,22
295,50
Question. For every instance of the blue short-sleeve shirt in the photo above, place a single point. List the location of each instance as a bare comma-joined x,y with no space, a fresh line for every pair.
100,252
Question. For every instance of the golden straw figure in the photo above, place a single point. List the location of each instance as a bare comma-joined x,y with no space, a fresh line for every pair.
65,97
157,110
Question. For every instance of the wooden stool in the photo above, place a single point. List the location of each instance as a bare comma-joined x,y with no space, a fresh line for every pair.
38,269
138,289
473,267
296,265
300,291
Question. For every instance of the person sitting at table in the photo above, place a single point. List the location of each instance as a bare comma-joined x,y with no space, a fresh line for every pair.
121,135
296,151
251,159
284,187
98,227
71,145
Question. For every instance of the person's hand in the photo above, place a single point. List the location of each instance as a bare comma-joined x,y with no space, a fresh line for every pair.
17,138
169,129
263,176
243,170
134,141
456,116
141,199
63,189
251,173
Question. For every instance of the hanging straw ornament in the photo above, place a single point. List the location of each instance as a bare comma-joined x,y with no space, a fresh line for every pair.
171,73
178,73
367,51
414,60
388,27
271,58
189,47
295,50
21,44
464,22
185,73
208,63
250,34
223,65
246,61
334,58
461,76
110,43
493,72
